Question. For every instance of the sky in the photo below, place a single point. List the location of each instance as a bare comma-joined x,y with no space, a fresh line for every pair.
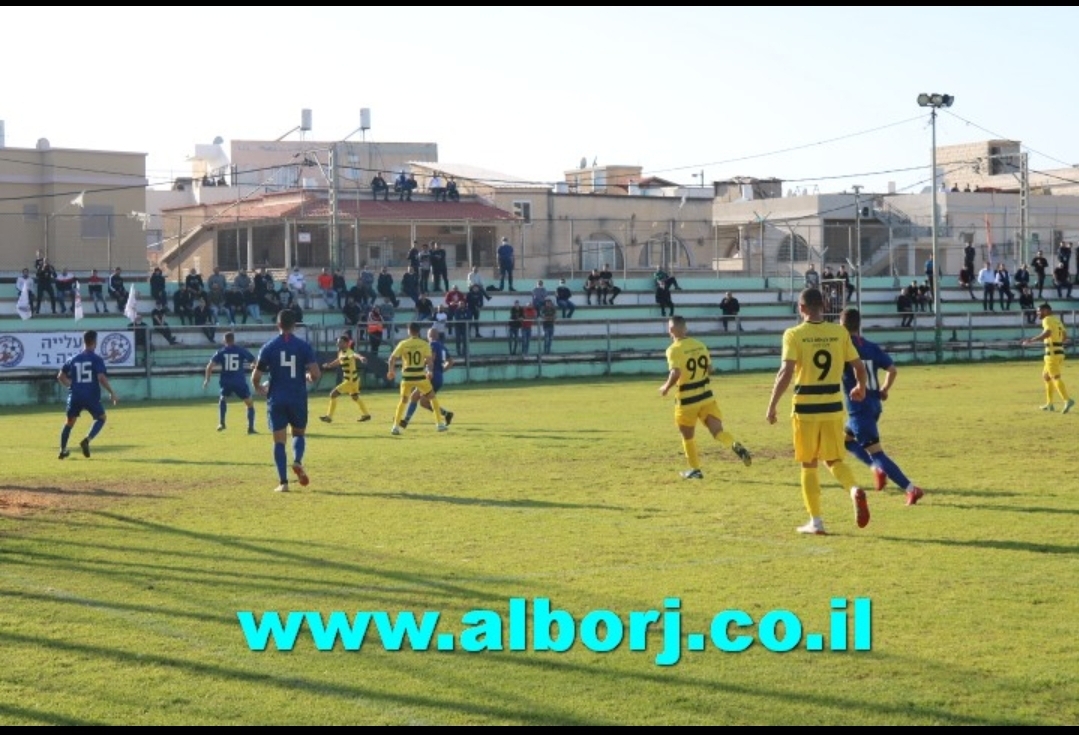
824,98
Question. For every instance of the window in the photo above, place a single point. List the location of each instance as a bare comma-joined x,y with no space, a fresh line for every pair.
96,222
523,210
662,249
595,253
801,249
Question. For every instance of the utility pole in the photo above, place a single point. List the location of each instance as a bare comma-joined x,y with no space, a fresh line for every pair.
1024,208
858,241
761,220
335,243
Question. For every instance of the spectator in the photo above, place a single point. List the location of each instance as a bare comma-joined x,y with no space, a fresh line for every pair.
425,268
366,282
385,286
1062,281
516,318
1021,277
234,304
46,279
157,316
202,317
410,285
475,278
904,304
379,186
297,286
474,300
375,327
437,186
183,304
591,287
440,320
1004,287
969,254
451,190
1041,268
351,312
325,287
506,263
730,308
219,307
117,289
1026,303
411,185
966,281
413,257
388,312
340,286
400,185
454,300
194,283
562,299
929,273
812,278
25,280
848,286
439,268
548,314
528,319
1064,254
425,309
663,293
988,278
65,290
607,289
664,280
217,279
539,295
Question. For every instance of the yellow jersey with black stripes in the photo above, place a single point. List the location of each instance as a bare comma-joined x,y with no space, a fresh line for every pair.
348,362
1054,341
694,364
413,353
819,350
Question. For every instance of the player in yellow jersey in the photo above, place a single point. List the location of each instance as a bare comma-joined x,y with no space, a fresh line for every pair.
349,362
814,355
690,368
416,358
1053,334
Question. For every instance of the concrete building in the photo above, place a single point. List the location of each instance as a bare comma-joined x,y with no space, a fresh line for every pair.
73,206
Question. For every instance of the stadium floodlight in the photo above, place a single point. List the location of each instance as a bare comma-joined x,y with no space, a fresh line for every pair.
935,101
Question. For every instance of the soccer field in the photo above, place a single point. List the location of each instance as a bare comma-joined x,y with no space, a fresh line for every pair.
139,585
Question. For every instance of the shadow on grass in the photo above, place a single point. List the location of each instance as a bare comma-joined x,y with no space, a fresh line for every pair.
215,463
93,493
44,718
526,713
482,502
1010,509
967,493
839,704
1030,546
281,556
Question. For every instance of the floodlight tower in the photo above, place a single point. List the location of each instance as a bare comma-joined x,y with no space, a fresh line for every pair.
934,102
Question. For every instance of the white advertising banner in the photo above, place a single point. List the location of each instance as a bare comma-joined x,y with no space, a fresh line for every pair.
22,350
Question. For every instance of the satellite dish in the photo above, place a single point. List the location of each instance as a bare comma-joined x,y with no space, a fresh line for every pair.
218,140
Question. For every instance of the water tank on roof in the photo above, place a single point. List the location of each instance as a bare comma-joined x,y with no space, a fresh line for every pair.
633,190
43,144
365,118
305,120
561,187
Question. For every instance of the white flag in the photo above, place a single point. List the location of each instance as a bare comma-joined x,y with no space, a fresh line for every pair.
132,309
23,306
78,303
78,201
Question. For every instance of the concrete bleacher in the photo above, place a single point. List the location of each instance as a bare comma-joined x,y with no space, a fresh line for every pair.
628,337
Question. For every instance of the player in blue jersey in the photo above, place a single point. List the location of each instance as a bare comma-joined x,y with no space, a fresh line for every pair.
290,363
234,362
440,362
84,375
863,437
